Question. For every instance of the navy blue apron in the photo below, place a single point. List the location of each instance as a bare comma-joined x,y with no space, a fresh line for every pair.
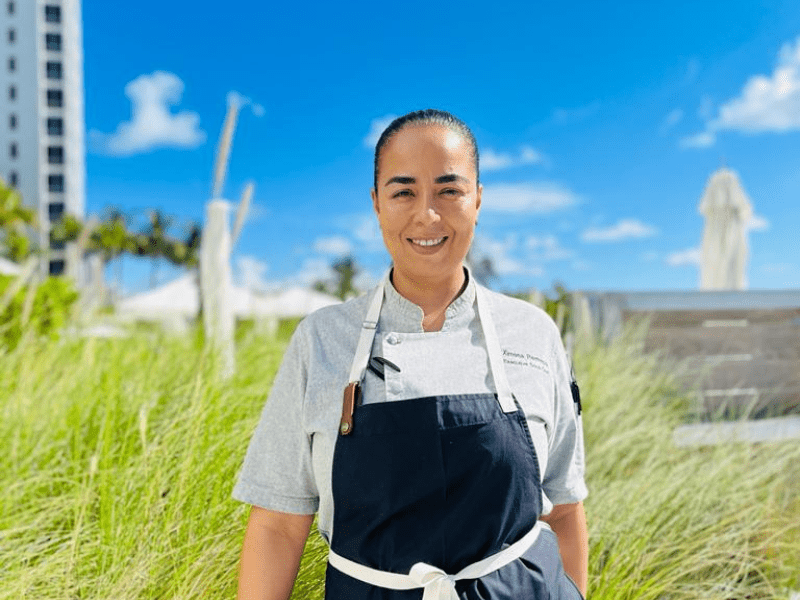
430,487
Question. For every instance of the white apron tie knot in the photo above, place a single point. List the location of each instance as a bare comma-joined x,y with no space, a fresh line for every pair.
437,584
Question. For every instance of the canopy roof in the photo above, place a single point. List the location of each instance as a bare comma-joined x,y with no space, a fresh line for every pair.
180,298
9,268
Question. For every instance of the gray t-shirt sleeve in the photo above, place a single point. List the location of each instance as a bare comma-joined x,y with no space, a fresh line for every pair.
277,472
563,480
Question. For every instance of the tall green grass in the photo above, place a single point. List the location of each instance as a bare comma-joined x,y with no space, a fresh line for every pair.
119,457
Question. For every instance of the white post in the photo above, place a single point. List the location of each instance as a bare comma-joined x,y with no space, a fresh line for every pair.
216,283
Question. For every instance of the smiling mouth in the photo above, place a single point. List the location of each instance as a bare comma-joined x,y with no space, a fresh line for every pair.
428,242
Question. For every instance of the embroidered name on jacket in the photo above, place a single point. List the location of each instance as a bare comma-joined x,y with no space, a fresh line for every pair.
524,360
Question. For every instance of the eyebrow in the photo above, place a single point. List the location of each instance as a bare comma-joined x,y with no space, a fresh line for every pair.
401,180
449,178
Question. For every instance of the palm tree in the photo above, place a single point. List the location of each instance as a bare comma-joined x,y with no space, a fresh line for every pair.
112,238
158,241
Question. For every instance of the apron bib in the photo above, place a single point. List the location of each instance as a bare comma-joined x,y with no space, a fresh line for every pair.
438,498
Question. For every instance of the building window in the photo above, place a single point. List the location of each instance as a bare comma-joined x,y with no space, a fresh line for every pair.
55,183
53,70
55,98
12,121
55,155
12,149
10,7
56,268
57,244
13,179
55,126
12,35
12,92
12,64
55,210
52,41
52,14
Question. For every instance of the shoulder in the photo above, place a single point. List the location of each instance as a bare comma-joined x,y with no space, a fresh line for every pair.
334,324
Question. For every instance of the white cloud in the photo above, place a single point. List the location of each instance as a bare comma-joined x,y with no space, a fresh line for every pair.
531,156
367,230
624,229
152,124
531,197
758,223
766,103
495,161
376,128
313,270
509,257
250,273
256,212
672,119
703,139
690,256
241,101
547,248
499,252
336,245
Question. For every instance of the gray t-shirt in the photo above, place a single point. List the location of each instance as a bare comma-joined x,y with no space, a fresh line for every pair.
288,463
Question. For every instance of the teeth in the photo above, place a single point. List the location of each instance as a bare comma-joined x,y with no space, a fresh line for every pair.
435,242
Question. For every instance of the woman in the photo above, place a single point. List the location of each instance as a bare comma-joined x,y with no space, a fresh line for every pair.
456,430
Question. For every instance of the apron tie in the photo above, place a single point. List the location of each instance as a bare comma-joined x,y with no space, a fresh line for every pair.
437,584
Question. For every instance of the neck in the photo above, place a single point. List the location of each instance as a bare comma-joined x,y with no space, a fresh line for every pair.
432,295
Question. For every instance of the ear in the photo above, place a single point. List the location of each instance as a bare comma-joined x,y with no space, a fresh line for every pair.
374,195
478,201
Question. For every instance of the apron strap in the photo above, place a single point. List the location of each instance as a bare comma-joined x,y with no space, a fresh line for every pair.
504,393
368,327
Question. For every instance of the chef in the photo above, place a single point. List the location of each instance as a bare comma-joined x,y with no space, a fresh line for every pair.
431,424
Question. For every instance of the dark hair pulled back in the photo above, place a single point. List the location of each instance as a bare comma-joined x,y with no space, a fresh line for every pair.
428,116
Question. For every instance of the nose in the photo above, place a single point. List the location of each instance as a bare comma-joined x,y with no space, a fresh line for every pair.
427,212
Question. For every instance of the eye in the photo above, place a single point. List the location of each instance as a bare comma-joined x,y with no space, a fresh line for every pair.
401,193
450,192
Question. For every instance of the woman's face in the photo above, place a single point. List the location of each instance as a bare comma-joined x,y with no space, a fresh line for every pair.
427,201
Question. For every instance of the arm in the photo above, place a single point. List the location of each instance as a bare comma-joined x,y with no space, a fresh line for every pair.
273,545
568,521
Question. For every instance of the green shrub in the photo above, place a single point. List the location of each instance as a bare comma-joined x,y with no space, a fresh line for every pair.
50,305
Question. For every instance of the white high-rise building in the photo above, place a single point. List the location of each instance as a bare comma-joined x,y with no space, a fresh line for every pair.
42,147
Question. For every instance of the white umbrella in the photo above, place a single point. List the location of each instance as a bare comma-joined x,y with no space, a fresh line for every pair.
728,211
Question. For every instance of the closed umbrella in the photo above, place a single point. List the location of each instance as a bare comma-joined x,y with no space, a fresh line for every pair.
727,211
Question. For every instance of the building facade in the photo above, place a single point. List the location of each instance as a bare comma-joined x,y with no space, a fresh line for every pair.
42,140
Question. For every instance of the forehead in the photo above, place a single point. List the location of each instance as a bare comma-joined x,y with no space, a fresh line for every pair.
427,147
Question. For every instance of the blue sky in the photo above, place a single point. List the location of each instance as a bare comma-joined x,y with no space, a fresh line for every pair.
599,125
